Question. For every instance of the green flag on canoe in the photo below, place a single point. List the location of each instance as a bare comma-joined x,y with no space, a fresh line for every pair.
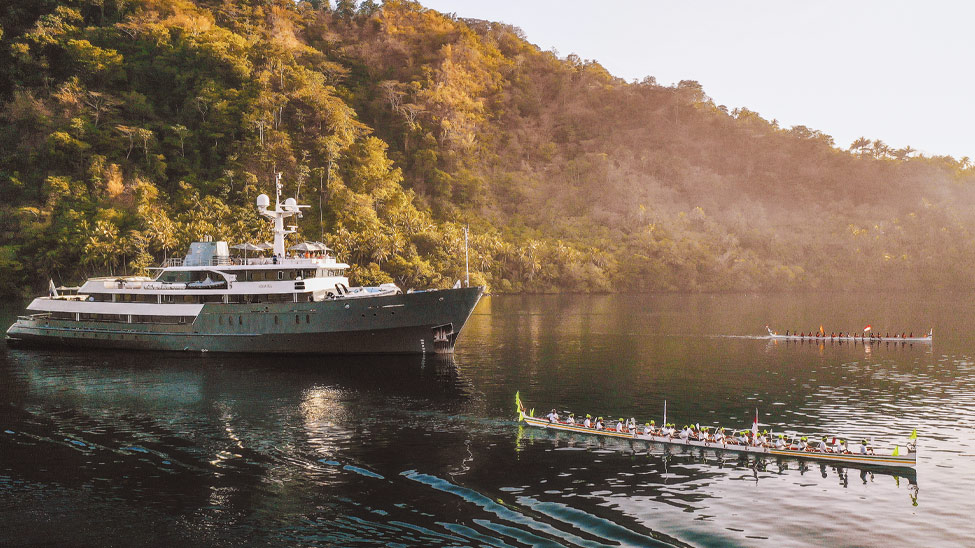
896,451
914,434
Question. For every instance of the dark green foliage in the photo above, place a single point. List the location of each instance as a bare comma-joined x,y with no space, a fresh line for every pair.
130,128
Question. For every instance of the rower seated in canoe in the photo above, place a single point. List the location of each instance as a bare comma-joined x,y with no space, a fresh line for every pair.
706,434
822,447
719,435
864,449
839,446
553,417
761,440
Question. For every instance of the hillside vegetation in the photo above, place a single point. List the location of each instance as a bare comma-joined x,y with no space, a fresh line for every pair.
129,128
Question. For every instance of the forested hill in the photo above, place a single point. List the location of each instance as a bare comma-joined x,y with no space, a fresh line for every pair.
129,128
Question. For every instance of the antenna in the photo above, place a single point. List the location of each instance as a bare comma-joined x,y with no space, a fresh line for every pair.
277,188
278,214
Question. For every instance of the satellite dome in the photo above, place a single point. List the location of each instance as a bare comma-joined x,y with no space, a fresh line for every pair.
290,202
263,201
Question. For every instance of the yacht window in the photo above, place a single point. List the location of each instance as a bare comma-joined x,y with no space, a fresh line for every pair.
280,274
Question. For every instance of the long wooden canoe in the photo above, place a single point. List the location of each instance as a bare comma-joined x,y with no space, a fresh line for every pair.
859,337
906,460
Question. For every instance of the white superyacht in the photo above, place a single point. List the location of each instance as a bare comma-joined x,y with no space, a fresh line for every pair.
209,301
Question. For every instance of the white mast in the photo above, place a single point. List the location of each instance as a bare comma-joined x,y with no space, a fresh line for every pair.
467,264
288,208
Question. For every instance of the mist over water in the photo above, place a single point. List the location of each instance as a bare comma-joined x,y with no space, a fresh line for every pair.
154,449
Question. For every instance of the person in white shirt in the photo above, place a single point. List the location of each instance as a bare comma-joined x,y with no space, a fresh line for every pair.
802,446
588,422
599,423
647,430
619,425
552,417
780,443
864,450
822,446
571,419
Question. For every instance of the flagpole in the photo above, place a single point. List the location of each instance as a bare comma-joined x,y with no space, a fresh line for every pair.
664,425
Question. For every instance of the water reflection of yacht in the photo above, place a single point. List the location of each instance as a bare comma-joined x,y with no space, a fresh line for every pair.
174,379
209,301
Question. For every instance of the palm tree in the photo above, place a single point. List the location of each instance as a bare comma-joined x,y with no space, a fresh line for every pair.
903,153
880,149
859,145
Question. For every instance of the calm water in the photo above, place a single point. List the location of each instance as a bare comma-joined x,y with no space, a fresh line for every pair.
164,449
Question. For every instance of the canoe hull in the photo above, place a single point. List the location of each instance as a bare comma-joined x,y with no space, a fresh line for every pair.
888,461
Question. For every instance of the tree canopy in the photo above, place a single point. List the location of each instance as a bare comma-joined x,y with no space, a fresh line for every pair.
129,128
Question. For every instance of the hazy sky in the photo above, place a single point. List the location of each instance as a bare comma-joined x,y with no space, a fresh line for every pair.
903,72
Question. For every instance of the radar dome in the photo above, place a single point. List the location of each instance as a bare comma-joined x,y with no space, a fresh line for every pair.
290,203
263,201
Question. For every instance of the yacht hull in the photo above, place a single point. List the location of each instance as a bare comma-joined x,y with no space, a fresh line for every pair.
412,323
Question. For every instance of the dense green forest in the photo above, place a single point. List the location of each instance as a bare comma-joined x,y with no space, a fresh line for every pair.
129,128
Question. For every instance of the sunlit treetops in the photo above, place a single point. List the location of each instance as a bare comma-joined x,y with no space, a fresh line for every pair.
129,128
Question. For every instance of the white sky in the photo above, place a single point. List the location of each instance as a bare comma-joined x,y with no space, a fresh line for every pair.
899,71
